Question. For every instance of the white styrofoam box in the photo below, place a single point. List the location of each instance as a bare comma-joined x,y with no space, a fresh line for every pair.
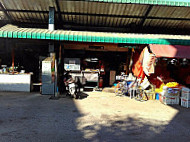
164,100
169,100
185,102
185,89
185,93
174,100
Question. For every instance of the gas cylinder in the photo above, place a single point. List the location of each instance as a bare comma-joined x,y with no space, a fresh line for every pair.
101,82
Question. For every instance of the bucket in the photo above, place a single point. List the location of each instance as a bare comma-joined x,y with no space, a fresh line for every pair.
157,96
115,84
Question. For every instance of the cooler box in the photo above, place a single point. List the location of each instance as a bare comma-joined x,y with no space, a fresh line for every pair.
169,100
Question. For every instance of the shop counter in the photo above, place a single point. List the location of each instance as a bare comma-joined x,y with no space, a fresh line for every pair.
16,82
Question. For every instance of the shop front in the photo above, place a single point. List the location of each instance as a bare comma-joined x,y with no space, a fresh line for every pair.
20,64
167,68
98,64
172,62
99,57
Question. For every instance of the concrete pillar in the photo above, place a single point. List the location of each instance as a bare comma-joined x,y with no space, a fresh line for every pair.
51,25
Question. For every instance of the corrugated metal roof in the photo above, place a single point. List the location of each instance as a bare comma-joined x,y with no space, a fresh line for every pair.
155,2
2,15
100,10
41,5
127,14
29,17
38,5
103,8
10,31
170,12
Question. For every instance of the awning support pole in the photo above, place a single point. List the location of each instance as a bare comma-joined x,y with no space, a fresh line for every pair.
13,59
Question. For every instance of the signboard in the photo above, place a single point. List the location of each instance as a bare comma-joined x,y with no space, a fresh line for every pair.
72,64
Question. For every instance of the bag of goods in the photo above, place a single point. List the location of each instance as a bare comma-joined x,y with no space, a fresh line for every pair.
172,84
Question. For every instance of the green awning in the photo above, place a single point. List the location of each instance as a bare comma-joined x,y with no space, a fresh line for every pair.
153,2
11,31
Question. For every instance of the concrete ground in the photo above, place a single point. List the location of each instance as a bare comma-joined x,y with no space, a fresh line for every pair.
101,117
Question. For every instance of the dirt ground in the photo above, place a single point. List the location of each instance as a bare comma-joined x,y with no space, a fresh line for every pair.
98,117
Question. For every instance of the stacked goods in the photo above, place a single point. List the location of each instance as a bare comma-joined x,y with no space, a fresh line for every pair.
169,95
169,84
169,100
185,103
185,93
172,84
185,97
171,91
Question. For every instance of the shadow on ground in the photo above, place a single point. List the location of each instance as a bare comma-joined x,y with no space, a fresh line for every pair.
33,117
82,95
133,128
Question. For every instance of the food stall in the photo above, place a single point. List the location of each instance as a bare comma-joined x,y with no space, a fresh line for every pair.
18,82
14,78
168,72
84,71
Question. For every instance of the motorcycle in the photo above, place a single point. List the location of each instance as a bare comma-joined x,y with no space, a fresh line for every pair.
72,86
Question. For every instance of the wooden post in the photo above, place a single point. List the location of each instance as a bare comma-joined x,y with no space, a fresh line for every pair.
131,60
127,63
60,54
